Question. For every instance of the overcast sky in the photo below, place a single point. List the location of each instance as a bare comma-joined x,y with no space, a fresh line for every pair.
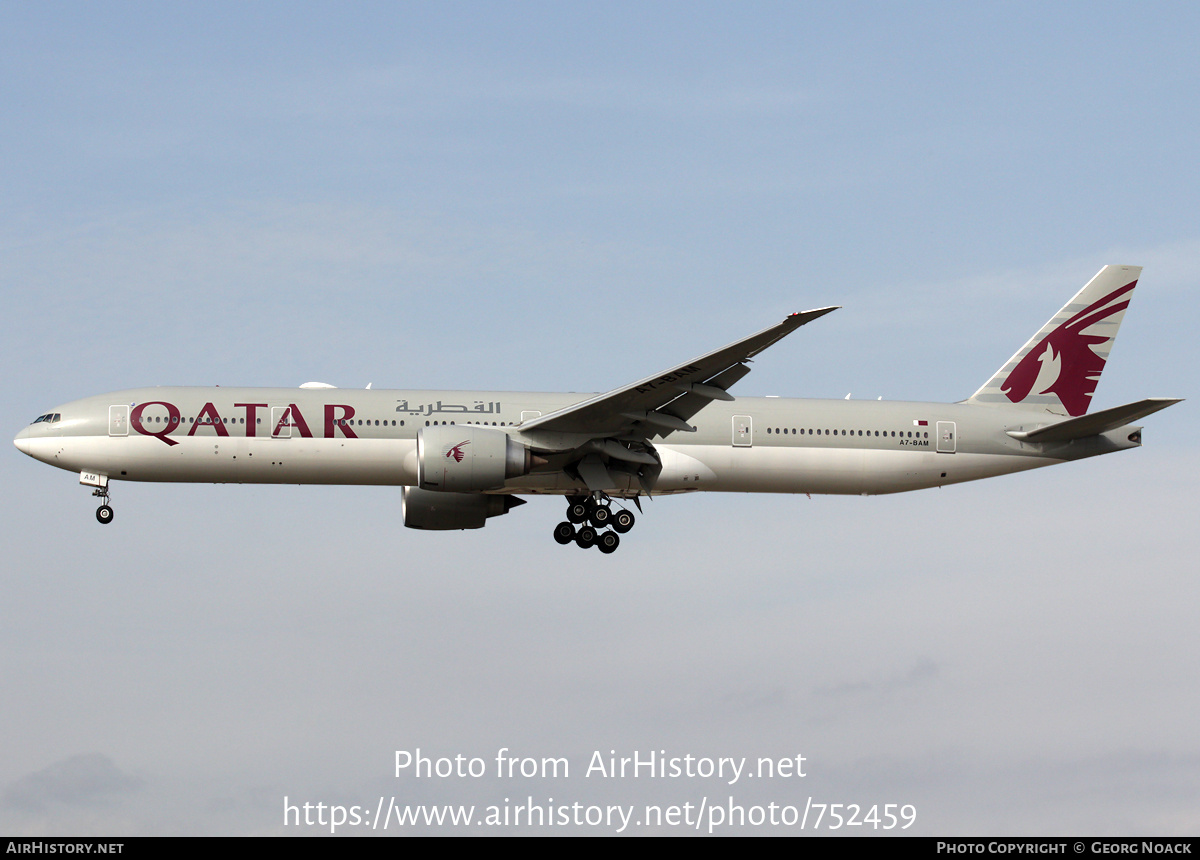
570,197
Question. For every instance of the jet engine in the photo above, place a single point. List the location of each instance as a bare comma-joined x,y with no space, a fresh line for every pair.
440,511
465,458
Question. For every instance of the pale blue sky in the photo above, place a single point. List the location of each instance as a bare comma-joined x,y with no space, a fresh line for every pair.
566,197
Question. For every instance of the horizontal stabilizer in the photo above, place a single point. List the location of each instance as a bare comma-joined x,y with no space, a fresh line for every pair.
1096,423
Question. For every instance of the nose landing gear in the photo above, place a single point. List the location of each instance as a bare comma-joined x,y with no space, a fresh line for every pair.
599,525
104,513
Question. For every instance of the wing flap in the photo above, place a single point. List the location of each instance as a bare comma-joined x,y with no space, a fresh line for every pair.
695,398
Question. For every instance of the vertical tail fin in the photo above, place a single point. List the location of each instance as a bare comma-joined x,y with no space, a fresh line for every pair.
1059,367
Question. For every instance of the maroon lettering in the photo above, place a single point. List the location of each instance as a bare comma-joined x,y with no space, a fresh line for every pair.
334,422
251,416
298,421
214,419
284,422
135,418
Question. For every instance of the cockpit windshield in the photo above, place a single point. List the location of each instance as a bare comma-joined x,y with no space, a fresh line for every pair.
48,418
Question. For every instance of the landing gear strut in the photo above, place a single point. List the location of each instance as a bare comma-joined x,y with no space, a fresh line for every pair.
104,513
599,525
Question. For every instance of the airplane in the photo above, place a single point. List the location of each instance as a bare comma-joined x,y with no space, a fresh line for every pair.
463,457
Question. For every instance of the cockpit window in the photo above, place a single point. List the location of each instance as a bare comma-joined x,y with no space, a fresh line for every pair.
49,417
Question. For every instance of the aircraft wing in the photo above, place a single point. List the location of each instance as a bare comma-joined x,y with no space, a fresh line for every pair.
661,404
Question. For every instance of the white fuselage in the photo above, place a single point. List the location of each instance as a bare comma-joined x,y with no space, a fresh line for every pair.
345,436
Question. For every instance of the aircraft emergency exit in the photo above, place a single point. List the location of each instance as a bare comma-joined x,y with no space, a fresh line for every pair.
465,456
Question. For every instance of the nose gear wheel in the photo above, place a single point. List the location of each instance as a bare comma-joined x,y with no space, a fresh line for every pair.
104,513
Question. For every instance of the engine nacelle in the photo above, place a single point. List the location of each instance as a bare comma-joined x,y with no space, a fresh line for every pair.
439,511
463,458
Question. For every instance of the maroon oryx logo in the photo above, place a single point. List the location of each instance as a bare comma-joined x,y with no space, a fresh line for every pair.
1063,362
457,451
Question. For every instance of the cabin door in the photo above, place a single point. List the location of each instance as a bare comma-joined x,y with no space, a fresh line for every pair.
743,431
118,420
281,422
946,442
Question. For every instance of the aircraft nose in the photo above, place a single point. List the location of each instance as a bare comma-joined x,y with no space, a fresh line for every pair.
22,441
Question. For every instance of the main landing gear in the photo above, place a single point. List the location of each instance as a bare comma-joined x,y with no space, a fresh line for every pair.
104,513
599,525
